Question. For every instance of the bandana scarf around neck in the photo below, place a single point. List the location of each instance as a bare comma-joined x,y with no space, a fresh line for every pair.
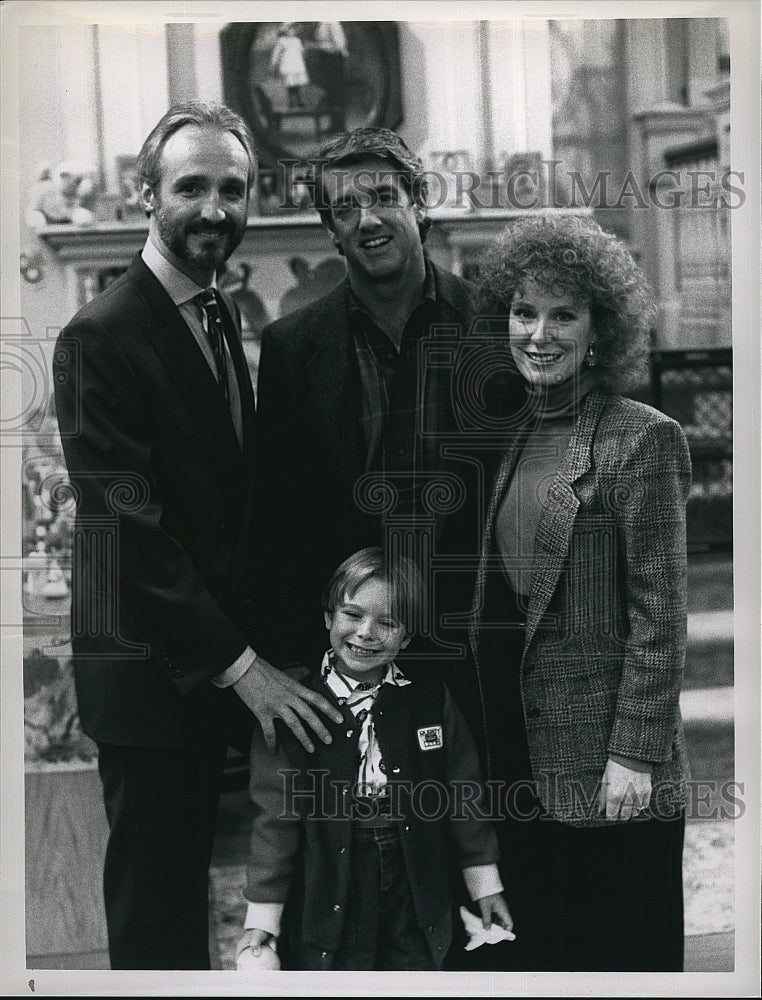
359,697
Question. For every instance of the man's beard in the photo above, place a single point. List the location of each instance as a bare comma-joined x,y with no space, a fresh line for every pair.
199,244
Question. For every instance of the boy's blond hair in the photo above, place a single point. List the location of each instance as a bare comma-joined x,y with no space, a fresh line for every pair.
401,575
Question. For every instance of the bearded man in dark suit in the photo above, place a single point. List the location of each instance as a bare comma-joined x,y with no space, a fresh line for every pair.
157,418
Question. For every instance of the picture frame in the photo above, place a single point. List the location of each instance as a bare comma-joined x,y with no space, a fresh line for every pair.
69,103
283,190
525,176
269,197
129,206
299,83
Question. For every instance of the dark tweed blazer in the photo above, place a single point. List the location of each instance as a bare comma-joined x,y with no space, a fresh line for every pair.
606,618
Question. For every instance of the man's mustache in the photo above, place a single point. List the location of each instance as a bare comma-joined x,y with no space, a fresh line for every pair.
213,228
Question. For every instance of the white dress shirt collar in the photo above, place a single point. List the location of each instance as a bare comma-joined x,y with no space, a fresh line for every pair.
178,286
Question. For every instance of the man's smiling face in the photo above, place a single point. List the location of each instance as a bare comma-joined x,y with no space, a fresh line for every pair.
374,219
198,209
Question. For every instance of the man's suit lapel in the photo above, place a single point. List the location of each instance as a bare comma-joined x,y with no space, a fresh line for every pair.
186,366
453,303
454,311
554,530
333,381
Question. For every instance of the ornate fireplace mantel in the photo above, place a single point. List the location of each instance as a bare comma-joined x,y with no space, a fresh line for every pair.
91,256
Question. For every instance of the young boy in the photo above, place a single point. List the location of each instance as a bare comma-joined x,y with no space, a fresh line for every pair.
358,838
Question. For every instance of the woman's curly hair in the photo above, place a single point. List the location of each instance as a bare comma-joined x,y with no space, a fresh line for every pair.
573,255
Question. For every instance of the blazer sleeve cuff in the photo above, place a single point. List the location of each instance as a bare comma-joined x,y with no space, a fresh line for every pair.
236,670
634,765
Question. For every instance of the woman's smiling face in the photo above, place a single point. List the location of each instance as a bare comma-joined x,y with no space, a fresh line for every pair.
549,333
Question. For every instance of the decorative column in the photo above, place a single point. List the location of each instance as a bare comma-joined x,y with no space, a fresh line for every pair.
519,70
181,63
661,129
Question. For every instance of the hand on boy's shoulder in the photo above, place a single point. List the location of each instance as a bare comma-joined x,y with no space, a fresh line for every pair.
274,695
312,680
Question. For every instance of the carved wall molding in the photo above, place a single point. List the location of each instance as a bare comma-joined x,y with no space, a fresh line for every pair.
91,255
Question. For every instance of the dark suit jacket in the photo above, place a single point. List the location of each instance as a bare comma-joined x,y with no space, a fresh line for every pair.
164,513
605,636
313,453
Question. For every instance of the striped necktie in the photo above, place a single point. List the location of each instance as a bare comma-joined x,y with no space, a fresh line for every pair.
211,307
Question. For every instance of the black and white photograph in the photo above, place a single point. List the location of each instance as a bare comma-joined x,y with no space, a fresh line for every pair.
298,83
380,450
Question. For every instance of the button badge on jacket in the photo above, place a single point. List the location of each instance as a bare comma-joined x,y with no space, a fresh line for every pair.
430,738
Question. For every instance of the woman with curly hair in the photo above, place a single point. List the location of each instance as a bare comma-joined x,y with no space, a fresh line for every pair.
579,617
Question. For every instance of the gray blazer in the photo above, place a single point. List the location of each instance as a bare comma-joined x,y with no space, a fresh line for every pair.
606,618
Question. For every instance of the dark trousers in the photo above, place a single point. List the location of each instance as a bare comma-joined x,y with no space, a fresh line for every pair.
594,899
381,931
161,806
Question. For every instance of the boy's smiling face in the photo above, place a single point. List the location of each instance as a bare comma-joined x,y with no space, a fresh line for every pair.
364,634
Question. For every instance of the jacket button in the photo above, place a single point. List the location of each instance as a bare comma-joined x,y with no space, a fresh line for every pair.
350,732
324,954
342,850
407,829
431,928
533,713
395,770
336,907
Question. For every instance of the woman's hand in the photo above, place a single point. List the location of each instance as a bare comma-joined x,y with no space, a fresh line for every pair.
625,791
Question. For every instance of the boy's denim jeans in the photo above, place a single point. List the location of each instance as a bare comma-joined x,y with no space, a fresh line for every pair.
381,931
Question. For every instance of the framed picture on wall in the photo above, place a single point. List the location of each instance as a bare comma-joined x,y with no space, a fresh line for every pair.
269,196
128,206
283,190
299,82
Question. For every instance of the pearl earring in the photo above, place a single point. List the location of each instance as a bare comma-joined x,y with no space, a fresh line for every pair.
591,358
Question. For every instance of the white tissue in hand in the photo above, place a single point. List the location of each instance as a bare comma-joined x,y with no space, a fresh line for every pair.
479,935
267,958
